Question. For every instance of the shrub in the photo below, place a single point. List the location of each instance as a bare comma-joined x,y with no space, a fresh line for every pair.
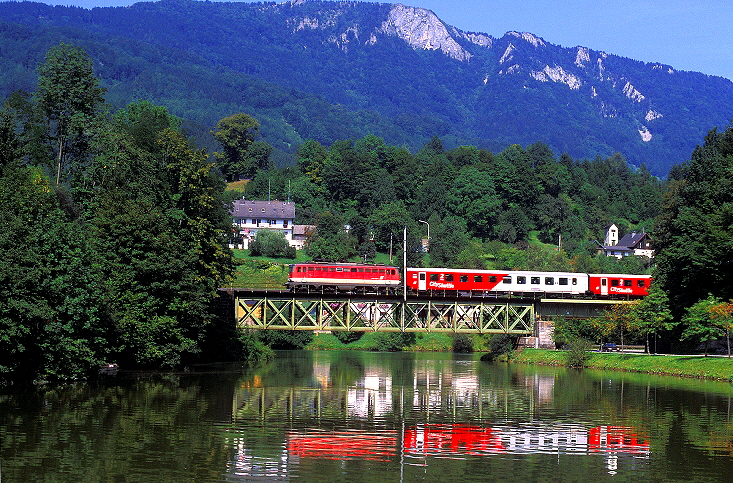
462,343
499,344
577,354
286,339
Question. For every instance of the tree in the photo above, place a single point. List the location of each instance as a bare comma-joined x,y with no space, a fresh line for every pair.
694,236
271,243
705,321
652,313
237,134
330,242
69,94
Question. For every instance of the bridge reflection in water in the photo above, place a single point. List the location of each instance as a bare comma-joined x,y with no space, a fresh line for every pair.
442,413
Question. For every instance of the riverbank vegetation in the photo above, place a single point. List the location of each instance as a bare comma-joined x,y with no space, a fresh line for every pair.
720,368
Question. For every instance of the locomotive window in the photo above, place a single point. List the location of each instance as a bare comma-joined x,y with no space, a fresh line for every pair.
492,278
614,283
627,283
521,280
535,280
298,269
640,283
310,269
433,276
381,270
549,281
449,277
562,281
353,269
478,278
464,278
506,280
332,269
361,270
339,269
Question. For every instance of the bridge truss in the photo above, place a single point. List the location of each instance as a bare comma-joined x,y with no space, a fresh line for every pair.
360,314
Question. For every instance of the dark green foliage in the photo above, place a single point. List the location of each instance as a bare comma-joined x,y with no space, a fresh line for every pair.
499,344
271,243
285,339
578,353
462,343
695,235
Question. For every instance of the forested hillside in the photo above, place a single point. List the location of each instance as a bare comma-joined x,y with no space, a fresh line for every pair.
331,71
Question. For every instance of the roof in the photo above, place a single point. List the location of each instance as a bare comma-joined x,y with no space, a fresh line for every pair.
632,239
263,209
303,229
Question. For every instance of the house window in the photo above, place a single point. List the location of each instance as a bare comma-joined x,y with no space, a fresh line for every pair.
521,280
549,280
535,280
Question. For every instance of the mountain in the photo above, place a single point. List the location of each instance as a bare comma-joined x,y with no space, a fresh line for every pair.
339,70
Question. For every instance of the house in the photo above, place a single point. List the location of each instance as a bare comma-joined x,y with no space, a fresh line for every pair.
249,216
634,243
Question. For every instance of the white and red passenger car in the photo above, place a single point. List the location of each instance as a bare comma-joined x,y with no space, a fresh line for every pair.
351,277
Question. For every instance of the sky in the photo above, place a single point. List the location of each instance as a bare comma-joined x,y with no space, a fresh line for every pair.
691,35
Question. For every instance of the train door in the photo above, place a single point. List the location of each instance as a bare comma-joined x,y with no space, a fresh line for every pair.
421,278
604,286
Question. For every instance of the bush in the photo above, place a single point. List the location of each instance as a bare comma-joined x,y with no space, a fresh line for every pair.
462,343
499,344
325,342
286,339
577,354
347,337
384,341
271,244
432,341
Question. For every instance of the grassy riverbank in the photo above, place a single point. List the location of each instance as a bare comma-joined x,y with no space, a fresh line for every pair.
719,368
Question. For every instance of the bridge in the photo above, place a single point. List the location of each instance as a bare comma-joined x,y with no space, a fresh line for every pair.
281,310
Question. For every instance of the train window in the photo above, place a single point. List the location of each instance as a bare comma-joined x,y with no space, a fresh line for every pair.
464,279
332,269
562,281
641,283
361,270
627,283
492,279
298,269
478,278
422,276
534,280
339,269
603,282
549,280
381,270
575,281
353,269
449,277
433,276
614,283
521,280
310,269
506,280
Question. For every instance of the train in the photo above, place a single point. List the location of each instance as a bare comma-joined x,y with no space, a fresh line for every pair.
382,279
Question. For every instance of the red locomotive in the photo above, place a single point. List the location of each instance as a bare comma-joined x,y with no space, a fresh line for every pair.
348,277
363,278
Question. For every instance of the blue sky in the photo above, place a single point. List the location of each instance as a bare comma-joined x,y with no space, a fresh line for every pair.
686,34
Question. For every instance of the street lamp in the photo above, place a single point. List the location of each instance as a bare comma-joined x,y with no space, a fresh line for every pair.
428,247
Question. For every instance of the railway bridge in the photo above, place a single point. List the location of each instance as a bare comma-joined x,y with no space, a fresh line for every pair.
282,310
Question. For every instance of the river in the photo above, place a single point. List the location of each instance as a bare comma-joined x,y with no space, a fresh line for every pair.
370,417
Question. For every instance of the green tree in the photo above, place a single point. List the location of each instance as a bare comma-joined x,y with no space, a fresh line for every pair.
237,134
330,242
69,94
271,243
694,235
652,314
704,321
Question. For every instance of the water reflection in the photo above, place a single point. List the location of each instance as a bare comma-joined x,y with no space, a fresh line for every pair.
346,416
